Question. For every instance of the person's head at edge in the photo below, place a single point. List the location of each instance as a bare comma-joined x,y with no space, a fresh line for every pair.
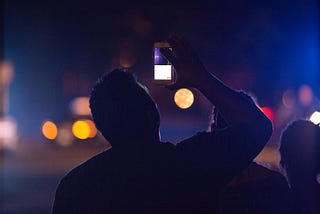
300,153
122,109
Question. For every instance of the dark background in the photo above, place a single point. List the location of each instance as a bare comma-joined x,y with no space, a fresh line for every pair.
60,48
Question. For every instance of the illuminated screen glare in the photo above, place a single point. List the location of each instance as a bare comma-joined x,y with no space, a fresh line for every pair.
162,72
162,67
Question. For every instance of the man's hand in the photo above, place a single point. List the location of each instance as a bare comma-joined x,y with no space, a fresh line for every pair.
190,71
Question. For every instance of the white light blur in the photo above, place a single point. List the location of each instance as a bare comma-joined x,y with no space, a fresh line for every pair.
8,133
80,106
315,117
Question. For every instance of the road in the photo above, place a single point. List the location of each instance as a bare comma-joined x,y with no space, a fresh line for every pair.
31,172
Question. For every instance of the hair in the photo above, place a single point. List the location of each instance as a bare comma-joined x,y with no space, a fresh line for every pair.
122,109
300,147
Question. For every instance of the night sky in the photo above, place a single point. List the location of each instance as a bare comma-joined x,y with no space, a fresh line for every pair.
59,50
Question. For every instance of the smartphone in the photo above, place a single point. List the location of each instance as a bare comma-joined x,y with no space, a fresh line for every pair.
163,69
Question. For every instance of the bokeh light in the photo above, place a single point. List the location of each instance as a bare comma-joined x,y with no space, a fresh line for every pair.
126,61
93,129
183,98
65,137
127,54
8,133
268,112
140,24
6,72
288,99
80,106
305,95
49,130
81,129
315,117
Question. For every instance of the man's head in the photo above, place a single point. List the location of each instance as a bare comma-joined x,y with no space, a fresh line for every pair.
300,151
122,109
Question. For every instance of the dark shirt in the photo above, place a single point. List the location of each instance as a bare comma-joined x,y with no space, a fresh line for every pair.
256,189
158,177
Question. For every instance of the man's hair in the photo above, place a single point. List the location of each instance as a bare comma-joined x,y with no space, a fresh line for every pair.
122,108
300,141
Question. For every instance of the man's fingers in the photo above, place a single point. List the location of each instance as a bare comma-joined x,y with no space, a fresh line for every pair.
177,45
168,54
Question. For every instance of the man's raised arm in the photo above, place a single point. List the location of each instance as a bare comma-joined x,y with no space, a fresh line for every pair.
235,108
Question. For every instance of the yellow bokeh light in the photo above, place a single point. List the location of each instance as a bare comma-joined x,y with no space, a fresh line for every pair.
49,130
81,129
93,129
183,98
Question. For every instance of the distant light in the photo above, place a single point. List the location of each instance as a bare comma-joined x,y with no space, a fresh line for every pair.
288,99
80,106
49,130
81,129
93,129
127,60
6,72
65,137
8,133
315,117
268,112
141,25
305,95
127,54
183,98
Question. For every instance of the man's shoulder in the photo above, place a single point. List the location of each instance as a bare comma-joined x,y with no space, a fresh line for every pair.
262,174
78,188
88,169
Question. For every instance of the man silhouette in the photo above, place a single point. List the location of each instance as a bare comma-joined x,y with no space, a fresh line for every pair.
300,160
141,174
256,189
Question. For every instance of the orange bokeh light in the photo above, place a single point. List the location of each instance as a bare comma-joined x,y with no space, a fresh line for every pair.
93,129
49,130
